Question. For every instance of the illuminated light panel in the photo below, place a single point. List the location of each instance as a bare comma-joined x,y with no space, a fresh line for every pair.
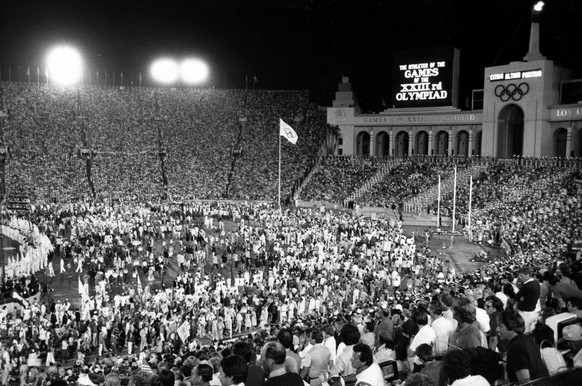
65,66
164,71
193,71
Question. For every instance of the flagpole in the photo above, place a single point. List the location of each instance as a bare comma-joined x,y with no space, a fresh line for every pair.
454,198
439,204
279,167
470,204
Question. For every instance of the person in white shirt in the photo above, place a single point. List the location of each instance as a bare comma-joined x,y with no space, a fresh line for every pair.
329,341
481,315
425,334
368,372
442,328
386,350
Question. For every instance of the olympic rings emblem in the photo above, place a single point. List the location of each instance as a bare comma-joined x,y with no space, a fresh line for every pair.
511,91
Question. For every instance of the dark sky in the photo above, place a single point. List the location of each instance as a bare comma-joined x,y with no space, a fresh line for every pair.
295,44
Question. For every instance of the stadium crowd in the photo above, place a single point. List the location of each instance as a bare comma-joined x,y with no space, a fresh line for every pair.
189,292
130,131
303,276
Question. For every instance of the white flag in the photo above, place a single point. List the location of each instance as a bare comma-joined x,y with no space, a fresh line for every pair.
287,131
139,287
82,289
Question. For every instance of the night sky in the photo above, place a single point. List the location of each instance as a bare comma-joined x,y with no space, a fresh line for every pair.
300,44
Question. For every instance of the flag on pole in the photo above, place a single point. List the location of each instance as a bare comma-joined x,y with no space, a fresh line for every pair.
82,289
15,295
139,287
287,131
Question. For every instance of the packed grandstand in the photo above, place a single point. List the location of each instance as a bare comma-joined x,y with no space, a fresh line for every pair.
163,203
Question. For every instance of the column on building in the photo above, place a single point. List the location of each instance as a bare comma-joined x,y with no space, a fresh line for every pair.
392,152
451,150
470,151
569,141
410,142
372,143
430,145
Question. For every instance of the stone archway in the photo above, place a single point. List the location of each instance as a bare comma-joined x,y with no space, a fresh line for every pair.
442,143
510,132
363,144
560,141
402,144
421,145
462,143
382,145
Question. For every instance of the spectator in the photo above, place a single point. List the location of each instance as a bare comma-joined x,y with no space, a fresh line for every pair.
457,367
202,375
367,371
233,370
273,356
467,334
573,335
524,361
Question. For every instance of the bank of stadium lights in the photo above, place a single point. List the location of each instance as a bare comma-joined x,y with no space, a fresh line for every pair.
189,71
64,65
193,71
164,71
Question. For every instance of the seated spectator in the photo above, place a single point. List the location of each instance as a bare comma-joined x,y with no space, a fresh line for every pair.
457,368
524,361
573,335
386,350
233,370
430,366
273,360
367,371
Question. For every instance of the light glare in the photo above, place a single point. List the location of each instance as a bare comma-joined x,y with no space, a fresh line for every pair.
539,6
193,71
164,71
65,66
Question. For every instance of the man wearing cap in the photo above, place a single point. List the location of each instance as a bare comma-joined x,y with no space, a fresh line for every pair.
573,335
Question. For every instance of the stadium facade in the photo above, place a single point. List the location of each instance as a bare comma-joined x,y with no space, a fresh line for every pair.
528,108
